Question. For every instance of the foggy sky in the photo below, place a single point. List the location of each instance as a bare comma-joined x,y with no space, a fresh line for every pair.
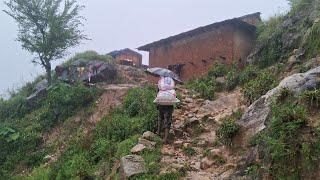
117,24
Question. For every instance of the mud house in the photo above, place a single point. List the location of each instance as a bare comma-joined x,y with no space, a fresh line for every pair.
127,57
193,53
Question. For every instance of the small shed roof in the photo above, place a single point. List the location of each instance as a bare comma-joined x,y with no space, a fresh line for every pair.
124,51
235,21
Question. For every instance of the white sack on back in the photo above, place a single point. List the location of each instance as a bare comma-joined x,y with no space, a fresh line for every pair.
166,83
166,98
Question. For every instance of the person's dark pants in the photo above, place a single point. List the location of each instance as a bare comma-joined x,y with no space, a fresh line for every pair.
165,117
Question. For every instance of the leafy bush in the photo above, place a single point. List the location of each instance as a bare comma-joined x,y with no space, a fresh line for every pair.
232,79
8,134
248,73
15,107
78,166
227,130
73,164
100,149
205,87
259,86
138,101
218,70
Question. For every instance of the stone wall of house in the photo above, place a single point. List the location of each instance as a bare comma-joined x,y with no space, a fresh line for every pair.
225,44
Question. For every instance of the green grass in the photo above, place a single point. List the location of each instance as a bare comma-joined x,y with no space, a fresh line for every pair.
88,56
259,86
21,132
288,144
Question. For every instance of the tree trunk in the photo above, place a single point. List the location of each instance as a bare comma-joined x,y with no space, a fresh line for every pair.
48,71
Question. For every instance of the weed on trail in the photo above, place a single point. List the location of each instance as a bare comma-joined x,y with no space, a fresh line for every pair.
229,128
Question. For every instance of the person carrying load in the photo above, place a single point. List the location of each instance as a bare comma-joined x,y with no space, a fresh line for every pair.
165,100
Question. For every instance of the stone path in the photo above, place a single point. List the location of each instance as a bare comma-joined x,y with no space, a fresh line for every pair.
194,129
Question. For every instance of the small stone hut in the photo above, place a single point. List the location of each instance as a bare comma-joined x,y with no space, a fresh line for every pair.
127,57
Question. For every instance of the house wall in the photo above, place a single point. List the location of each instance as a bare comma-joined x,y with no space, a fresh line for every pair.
137,60
225,44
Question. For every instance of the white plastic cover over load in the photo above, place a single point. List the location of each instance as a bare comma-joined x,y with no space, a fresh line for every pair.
166,83
166,98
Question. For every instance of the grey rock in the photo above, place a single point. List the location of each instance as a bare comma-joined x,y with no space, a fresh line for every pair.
132,165
221,80
147,143
100,72
149,136
138,148
40,92
254,118
206,163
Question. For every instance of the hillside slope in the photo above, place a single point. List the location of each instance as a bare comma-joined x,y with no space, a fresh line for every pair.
260,122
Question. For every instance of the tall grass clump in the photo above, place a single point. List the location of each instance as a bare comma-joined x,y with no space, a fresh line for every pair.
259,86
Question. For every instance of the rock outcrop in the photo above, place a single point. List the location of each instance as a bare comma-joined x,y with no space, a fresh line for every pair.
132,165
40,92
253,120
95,71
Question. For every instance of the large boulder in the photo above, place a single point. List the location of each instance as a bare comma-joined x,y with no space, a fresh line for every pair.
132,165
98,71
40,92
254,118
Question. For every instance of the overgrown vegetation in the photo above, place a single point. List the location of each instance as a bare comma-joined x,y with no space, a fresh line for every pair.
86,56
113,137
230,77
22,126
289,144
259,86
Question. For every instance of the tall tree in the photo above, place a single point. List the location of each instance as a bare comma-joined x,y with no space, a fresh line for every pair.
47,28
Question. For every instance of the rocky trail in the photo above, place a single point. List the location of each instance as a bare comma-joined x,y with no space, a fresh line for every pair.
195,146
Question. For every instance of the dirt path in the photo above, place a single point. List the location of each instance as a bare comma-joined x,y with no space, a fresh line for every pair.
195,126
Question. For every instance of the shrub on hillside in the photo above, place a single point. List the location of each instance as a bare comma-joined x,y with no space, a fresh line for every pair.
100,149
64,100
139,101
74,163
232,79
228,129
218,70
248,73
206,87
259,86
15,107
